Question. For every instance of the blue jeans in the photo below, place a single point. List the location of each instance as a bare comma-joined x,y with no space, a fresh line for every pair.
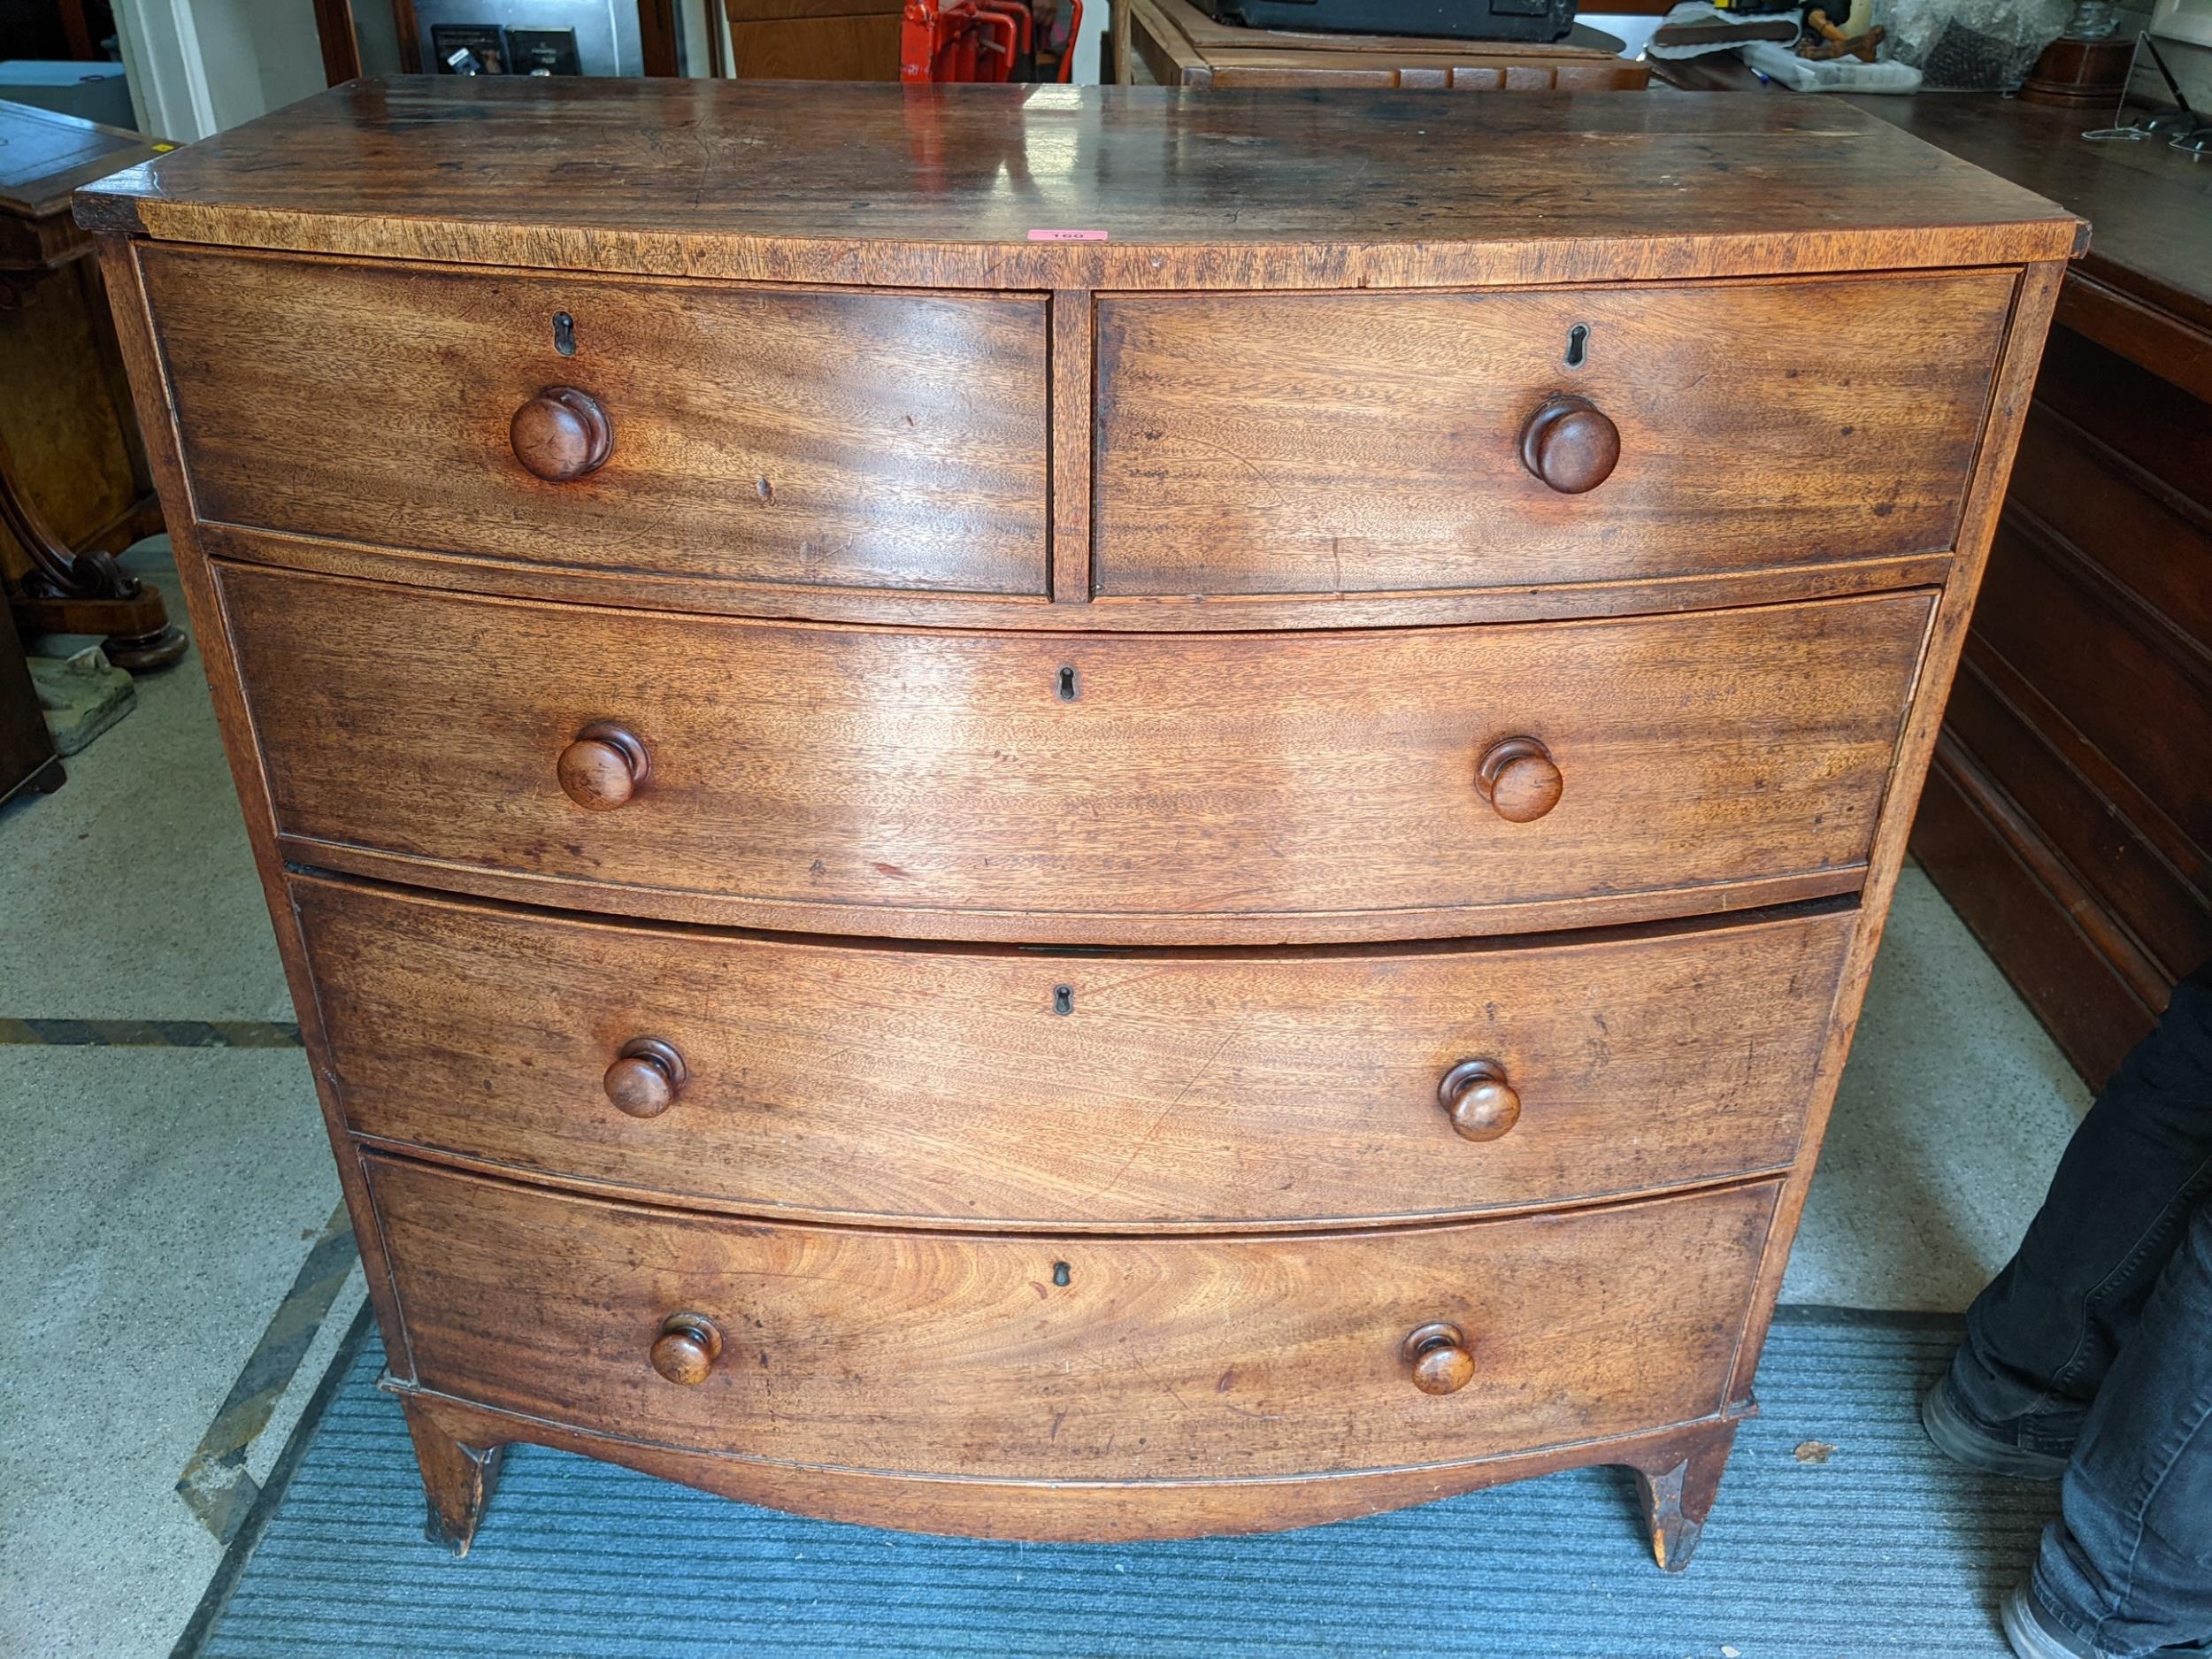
2097,1340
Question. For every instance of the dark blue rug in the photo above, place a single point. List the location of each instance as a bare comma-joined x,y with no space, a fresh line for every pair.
1838,1534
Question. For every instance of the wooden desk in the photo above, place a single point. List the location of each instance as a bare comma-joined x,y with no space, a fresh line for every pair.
1174,43
2068,816
74,490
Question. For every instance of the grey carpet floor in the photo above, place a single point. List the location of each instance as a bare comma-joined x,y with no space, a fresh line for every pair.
1838,1534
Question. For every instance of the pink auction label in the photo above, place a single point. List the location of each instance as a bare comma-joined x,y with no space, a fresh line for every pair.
1067,236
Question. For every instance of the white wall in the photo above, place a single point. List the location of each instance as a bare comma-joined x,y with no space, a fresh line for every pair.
198,66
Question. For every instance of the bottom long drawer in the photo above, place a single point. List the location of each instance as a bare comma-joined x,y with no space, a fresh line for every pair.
1074,1358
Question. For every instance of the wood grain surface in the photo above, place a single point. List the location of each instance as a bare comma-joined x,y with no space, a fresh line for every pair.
943,1354
1183,1091
1059,1510
1373,442
1070,612
830,439
1195,789
616,1166
941,186
1177,44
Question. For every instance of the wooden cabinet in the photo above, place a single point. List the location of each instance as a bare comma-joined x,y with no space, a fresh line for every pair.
2068,816
1118,818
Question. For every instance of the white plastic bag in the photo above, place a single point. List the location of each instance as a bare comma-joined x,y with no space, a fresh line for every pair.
1834,75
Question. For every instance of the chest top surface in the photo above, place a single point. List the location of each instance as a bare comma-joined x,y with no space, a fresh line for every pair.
1038,187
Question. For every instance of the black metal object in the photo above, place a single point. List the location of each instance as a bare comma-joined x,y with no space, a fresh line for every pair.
1457,20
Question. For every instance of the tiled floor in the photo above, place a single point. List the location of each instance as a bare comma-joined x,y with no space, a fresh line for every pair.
154,1203
158,1202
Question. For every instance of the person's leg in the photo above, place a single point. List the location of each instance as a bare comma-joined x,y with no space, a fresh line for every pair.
2040,1340
2127,1568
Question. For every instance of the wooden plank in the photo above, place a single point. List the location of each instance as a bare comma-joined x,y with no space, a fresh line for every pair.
987,1089
1381,188
1072,377
2036,296
1020,787
973,1357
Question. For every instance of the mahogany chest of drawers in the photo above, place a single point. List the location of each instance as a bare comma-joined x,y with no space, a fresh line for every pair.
1069,814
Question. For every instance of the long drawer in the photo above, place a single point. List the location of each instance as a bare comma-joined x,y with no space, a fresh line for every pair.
1016,1088
1132,788
824,438
1071,1358
1378,443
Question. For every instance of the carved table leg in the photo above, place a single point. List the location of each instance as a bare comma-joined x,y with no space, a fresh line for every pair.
87,592
458,1480
1677,1498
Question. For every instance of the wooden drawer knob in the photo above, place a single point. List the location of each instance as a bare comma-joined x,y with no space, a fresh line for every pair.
686,1349
1571,445
1519,779
1441,1363
645,1076
1481,1105
604,767
561,434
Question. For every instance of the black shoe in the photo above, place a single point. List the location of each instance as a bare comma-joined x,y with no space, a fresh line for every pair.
2034,1634
1962,1440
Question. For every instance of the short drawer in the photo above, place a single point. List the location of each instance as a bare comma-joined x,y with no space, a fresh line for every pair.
1105,1091
976,1355
825,438
1375,443
1135,788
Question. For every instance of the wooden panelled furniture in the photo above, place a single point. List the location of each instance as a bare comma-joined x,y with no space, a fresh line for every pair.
814,40
1181,837
1172,43
74,488
2069,815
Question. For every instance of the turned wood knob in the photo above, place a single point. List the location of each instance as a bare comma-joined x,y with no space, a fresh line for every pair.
1519,779
562,434
1571,445
1481,1105
604,767
686,1349
1441,1363
645,1076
